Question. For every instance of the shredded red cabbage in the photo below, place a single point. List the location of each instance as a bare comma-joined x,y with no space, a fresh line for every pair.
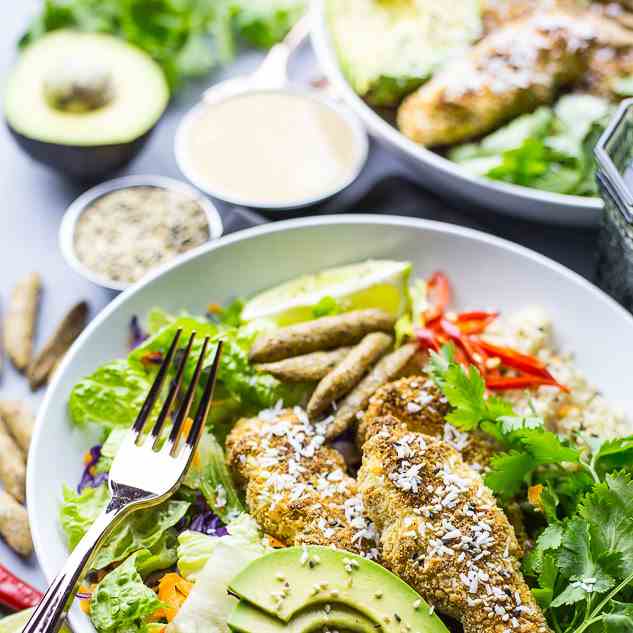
137,334
206,521
90,478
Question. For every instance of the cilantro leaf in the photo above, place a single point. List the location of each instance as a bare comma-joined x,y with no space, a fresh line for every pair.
614,454
508,472
620,620
607,510
578,561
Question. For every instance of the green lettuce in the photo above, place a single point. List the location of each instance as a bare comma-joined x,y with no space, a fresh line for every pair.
549,149
209,474
265,22
213,562
79,511
161,556
195,549
121,601
142,530
110,397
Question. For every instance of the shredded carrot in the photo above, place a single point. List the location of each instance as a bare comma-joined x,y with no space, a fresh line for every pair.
172,592
534,496
214,308
276,543
87,457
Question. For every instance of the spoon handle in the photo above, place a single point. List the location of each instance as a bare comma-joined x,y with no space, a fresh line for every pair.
273,71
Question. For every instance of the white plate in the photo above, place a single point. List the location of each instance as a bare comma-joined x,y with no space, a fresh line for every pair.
486,271
442,175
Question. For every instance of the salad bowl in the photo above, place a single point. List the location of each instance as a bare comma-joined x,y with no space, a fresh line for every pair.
436,172
486,271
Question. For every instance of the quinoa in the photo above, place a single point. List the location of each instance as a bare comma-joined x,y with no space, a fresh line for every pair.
124,234
584,410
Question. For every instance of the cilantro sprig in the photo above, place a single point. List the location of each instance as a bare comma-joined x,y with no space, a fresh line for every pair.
529,445
582,563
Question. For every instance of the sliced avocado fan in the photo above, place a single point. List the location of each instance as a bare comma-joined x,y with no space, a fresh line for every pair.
302,589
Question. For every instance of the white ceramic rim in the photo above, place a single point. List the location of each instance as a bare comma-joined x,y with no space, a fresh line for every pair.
378,220
74,211
381,129
358,130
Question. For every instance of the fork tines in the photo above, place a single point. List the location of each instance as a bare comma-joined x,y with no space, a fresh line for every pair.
182,413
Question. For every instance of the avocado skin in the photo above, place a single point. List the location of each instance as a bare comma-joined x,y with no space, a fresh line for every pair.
82,163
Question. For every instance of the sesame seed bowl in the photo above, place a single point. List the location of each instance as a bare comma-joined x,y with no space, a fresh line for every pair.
117,232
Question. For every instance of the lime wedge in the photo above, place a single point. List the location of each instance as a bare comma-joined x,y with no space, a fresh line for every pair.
15,622
371,284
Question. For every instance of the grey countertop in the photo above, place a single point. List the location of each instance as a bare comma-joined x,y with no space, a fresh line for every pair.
34,199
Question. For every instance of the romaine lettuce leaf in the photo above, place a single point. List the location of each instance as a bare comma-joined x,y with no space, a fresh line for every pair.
195,548
550,149
110,397
79,511
209,604
142,530
121,601
161,556
209,474
266,22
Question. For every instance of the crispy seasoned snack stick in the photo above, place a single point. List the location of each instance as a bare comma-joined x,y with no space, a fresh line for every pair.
20,321
19,420
386,369
442,531
348,373
57,345
320,334
305,368
14,525
12,469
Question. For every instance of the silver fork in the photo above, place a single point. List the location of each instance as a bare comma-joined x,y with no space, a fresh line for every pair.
147,470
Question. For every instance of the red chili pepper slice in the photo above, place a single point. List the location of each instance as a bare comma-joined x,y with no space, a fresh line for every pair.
475,322
15,594
521,382
516,360
439,290
427,339
454,333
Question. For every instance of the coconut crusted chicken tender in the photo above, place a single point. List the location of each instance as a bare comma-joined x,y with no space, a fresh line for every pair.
296,488
442,531
418,403
510,72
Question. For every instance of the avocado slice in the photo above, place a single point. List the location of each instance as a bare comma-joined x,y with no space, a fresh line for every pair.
84,103
246,618
388,48
288,581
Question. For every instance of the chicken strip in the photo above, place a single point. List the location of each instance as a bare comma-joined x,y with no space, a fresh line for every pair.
296,488
442,532
510,72
418,403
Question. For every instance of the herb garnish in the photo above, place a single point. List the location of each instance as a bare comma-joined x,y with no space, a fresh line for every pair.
582,564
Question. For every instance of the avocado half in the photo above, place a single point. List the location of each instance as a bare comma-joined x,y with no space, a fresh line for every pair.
305,589
84,103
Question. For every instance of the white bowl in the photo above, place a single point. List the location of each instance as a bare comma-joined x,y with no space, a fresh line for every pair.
442,175
74,211
485,270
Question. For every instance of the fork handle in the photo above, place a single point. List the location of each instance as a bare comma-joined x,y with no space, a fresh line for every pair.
50,612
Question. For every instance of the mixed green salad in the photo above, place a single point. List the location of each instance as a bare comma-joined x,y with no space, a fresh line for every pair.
188,38
171,566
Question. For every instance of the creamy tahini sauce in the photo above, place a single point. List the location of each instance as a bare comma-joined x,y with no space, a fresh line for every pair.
271,148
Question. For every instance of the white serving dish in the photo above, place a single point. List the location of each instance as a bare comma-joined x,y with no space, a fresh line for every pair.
486,271
442,175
